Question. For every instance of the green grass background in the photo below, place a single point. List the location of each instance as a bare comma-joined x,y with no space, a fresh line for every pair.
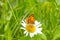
12,12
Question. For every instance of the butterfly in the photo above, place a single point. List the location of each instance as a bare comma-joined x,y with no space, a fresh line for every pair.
30,19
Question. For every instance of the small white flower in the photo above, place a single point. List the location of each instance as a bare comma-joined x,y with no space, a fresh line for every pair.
31,29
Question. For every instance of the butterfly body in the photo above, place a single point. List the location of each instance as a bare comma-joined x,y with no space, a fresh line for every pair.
30,19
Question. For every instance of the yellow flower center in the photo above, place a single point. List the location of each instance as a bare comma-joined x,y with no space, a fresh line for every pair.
30,28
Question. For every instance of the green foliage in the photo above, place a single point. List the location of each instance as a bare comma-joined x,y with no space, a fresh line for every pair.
12,12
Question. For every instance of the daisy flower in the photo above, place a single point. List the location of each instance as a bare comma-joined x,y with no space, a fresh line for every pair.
31,29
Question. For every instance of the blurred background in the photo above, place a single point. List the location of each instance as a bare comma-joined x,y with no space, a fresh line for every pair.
12,12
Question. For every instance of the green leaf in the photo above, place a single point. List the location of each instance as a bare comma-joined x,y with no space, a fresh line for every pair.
57,33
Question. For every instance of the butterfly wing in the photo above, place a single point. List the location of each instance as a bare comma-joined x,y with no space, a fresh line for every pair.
30,19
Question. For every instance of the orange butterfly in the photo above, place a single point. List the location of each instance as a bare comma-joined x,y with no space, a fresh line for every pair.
30,19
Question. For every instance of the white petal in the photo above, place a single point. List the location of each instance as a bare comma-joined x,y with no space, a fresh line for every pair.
35,33
37,23
38,30
23,23
31,35
27,34
23,28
